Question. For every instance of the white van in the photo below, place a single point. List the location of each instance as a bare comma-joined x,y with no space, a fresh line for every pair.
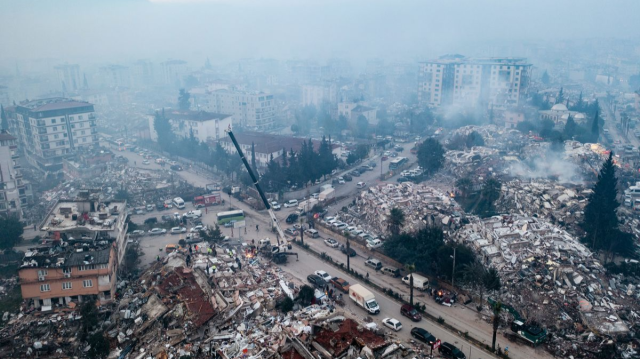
373,244
178,202
312,233
361,185
291,203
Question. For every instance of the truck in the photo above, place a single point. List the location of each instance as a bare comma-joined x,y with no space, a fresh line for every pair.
364,298
325,187
305,206
419,282
207,200
213,187
326,194
530,332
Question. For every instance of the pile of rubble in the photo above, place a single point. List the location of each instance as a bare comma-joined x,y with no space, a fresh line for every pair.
553,279
420,204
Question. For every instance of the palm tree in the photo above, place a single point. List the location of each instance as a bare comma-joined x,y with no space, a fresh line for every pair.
302,230
497,308
347,235
396,220
491,280
464,185
410,268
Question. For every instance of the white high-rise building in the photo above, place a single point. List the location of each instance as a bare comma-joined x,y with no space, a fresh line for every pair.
316,95
54,128
252,110
12,189
456,80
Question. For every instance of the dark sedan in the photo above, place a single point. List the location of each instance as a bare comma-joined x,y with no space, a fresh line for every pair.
423,335
317,281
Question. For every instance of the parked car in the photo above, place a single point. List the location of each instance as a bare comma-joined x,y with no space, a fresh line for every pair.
352,252
160,206
324,275
403,179
347,178
331,242
176,167
167,217
291,203
392,323
316,280
291,231
451,351
341,226
145,162
229,224
341,180
340,283
292,218
276,206
410,312
178,230
156,231
136,233
423,335
197,228
373,263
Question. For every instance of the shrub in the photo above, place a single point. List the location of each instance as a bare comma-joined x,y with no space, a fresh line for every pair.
440,320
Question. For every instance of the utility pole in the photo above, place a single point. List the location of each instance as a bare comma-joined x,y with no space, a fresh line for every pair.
348,255
453,272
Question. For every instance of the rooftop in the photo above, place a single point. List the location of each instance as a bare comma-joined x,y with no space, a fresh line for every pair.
336,342
5,136
55,103
267,143
66,256
83,214
195,115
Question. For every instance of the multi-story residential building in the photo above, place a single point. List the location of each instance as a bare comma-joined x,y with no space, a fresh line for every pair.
316,95
205,126
173,72
12,189
87,164
54,128
85,244
252,110
352,110
69,77
456,80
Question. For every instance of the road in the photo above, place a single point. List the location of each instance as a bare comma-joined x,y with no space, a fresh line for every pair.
459,316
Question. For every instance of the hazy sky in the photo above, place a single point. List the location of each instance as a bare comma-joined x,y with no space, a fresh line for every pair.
120,31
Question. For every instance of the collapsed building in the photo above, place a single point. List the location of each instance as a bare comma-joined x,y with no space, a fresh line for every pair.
552,279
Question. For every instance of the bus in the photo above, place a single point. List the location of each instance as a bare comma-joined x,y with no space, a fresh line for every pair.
178,203
397,162
228,216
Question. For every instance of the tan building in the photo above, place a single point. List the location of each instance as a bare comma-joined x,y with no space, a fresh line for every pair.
68,276
352,110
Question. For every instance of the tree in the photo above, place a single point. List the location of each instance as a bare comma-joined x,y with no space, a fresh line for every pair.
122,195
471,272
89,314
420,247
163,129
569,128
490,193
131,258
395,221
11,231
362,151
560,97
411,268
431,155
497,308
253,159
545,78
491,280
464,185
211,233
306,295
183,100
286,305
5,120
99,346
474,139
362,126
600,221
595,128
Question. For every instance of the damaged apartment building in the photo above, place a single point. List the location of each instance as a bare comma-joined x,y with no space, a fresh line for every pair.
84,241
554,280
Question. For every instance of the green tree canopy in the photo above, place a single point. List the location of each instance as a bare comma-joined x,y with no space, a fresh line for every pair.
183,100
11,231
396,220
431,155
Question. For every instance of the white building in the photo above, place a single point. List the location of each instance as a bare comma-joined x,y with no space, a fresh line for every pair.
252,110
352,110
12,190
456,80
54,128
204,125
69,77
316,95
559,114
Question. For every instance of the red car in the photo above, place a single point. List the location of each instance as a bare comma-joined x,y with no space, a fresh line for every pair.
384,158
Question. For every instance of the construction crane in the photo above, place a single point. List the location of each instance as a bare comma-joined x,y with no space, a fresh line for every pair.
285,245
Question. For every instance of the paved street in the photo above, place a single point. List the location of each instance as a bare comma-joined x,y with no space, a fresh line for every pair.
458,315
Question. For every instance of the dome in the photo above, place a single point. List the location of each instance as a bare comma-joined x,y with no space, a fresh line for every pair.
565,116
559,107
580,116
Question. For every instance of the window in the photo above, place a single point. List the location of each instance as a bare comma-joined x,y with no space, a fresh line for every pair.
79,117
53,121
103,266
55,128
70,118
66,285
42,273
88,283
55,136
82,132
45,287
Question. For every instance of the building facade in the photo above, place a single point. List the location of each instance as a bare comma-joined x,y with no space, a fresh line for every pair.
205,126
460,81
252,110
352,110
51,129
13,196
316,95
88,164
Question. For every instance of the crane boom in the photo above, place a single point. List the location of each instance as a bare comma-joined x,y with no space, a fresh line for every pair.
274,219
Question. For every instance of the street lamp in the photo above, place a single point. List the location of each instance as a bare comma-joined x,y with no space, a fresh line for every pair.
453,271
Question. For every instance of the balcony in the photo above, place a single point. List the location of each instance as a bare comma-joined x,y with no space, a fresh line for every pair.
92,116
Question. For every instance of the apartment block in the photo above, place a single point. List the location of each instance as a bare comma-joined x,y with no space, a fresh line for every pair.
54,128
251,110
460,81
83,246
352,110
13,196
316,95
205,126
